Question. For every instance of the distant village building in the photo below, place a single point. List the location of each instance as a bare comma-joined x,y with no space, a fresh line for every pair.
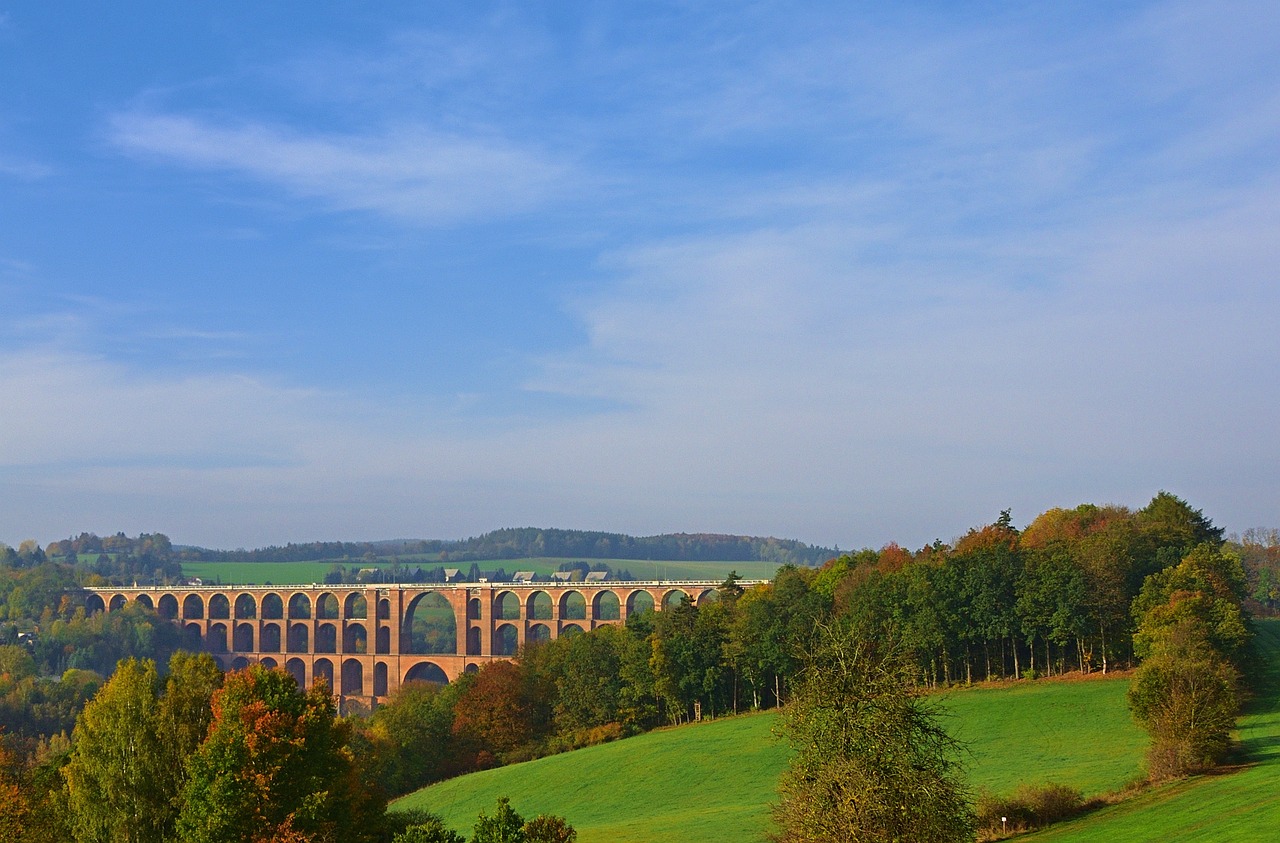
524,576
597,576
453,575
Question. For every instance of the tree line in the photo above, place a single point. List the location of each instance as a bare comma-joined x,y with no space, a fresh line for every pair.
1089,588
531,542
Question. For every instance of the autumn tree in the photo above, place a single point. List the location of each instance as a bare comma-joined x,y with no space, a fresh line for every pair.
127,764
275,765
493,714
413,735
117,774
1185,695
15,801
1193,634
871,761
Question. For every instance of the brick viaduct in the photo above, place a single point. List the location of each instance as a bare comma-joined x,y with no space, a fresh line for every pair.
413,632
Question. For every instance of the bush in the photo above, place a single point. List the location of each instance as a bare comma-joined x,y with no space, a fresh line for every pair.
547,828
1185,695
579,738
1030,807
417,825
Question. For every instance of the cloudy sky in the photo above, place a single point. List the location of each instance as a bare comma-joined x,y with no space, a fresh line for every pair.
847,273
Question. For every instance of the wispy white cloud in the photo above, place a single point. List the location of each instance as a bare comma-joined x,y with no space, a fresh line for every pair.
412,174
925,269
23,169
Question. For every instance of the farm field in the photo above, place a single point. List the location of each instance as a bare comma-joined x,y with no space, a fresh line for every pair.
302,573
260,573
622,792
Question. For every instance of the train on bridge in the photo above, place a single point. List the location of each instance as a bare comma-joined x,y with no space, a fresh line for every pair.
368,640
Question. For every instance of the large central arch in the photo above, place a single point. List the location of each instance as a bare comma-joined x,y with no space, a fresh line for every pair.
430,625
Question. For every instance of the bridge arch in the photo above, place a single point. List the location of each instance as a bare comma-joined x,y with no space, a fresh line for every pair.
298,670
239,663
538,606
573,606
167,608
246,607
380,679
94,604
639,601
299,638
269,663
242,638
117,603
219,607
473,641
570,630
323,669
427,672
216,638
356,606
269,640
326,638
192,607
606,606
326,607
711,595
384,640
299,607
354,638
674,598
272,606
506,606
538,633
352,677
506,640
144,600
430,626
192,636
474,611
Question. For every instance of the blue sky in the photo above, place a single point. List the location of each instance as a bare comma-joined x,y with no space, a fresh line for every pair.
847,273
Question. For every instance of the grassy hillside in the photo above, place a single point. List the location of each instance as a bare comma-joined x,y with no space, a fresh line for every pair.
630,791
1072,732
714,781
294,573
1240,804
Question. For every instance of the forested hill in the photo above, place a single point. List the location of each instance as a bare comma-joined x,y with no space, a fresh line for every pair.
526,542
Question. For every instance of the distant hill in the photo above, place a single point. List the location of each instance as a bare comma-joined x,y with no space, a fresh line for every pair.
533,542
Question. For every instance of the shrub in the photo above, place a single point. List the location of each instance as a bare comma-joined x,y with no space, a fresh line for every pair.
1029,807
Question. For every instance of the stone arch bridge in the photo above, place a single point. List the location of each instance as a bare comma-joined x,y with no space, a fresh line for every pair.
366,641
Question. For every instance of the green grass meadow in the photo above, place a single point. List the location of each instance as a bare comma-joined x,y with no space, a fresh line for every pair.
1240,803
714,781
259,573
303,573
1070,732
708,781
